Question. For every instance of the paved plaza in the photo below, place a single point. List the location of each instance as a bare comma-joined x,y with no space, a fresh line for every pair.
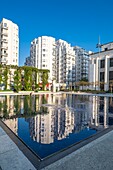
97,155
11,158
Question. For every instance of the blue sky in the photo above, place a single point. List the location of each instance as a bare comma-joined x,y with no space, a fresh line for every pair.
79,22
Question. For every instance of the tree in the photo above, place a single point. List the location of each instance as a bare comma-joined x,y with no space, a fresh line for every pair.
82,84
24,77
1,75
102,85
77,84
17,80
5,77
44,79
96,84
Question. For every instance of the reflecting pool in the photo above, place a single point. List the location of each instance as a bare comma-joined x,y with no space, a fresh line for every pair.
49,123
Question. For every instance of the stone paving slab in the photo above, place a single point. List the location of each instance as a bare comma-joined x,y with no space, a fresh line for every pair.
11,158
2,132
97,155
6,144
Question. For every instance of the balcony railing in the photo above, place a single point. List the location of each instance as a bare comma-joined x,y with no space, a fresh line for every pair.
3,54
4,33
3,60
6,28
4,47
4,40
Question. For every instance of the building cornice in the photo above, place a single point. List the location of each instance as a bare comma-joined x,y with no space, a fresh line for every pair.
101,52
106,43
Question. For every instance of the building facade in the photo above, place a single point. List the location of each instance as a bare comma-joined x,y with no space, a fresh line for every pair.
82,63
28,61
42,55
9,43
65,64
101,68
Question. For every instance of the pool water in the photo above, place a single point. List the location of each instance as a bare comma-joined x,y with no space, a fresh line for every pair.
50,123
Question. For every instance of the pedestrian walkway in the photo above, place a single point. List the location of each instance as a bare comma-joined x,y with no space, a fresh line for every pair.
11,158
97,155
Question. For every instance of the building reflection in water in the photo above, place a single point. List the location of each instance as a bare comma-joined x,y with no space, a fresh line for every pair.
101,115
54,117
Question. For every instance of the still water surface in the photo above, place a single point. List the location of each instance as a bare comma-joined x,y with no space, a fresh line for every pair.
49,123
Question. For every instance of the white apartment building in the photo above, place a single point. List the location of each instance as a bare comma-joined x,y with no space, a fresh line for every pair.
65,64
42,55
9,42
101,68
28,61
82,63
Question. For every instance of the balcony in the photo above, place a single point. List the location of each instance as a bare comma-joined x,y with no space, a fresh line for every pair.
3,61
4,47
6,28
53,59
3,54
4,33
4,40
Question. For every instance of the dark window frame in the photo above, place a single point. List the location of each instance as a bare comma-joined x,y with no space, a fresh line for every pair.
111,62
102,76
102,63
110,75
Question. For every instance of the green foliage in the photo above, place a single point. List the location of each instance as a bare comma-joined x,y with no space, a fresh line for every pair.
44,79
24,78
5,77
0,75
27,79
5,108
17,104
84,79
17,80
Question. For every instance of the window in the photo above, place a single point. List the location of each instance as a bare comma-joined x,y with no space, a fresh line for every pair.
111,75
102,76
5,24
44,50
102,63
111,62
94,61
106,49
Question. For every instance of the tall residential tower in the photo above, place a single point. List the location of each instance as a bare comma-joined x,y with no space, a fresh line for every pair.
65,64
82,63
9,42
42,55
